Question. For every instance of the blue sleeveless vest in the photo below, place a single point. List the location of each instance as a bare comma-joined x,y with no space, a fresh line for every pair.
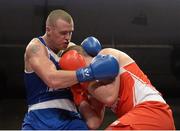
37,91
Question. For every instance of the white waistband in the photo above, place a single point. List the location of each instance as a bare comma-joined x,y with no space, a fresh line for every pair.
65,104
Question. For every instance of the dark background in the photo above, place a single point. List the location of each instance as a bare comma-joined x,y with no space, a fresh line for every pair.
147,30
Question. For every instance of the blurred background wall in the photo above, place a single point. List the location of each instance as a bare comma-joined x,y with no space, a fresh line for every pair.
148,30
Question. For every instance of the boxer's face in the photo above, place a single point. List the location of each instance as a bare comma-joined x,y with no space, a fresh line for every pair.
60,34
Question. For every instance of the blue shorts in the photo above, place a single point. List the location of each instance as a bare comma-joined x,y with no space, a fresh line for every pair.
53,119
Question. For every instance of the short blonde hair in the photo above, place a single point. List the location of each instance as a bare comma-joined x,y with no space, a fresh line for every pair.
58,14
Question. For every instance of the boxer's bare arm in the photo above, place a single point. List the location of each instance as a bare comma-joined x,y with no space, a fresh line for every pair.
122,57
36,59
93,112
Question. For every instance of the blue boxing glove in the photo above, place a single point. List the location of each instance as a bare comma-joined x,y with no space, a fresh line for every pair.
91,45
102,67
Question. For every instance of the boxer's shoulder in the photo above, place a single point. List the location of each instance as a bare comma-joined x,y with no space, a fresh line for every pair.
121,56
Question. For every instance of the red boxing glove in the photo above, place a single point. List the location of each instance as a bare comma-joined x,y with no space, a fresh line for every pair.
79,94
72,60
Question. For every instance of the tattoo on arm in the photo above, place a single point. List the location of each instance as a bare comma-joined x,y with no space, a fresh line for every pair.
35,49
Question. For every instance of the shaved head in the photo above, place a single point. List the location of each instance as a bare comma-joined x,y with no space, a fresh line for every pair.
58,14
